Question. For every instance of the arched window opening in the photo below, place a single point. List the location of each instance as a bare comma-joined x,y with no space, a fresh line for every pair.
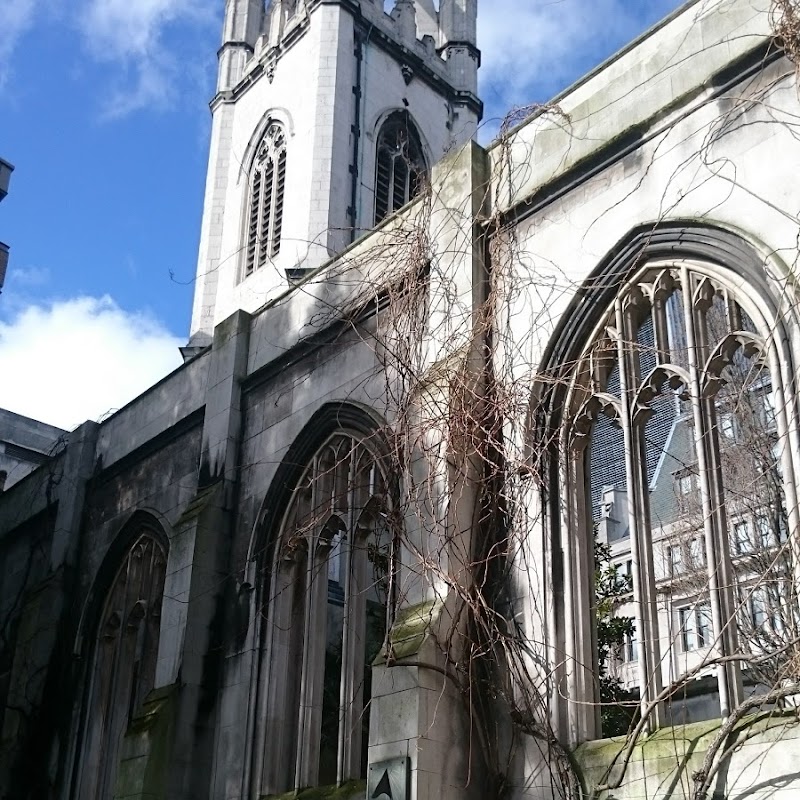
266,200
327,618
399,166
684,504
124,665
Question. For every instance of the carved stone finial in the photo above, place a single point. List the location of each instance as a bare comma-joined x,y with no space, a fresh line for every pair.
404,14
272,62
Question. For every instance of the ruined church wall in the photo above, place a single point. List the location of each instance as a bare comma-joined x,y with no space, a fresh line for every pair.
277,405
763,755
699,141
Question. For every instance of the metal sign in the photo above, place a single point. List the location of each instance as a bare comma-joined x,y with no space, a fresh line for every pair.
388,780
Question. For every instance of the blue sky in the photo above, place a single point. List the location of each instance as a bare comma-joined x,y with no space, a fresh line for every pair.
103,112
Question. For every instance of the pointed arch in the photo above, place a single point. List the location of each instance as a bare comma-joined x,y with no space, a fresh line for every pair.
400,166
325,556
710,243
263,216
121,629
326,421
277,114
688,322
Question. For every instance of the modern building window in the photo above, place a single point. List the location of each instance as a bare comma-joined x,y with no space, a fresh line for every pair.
685,484
124,662
697,553
675,560
399,165
629,648
767,615
684,331
687,626
327,618
695,626
766,534
727,424
627,571
743,537
266,200
759,608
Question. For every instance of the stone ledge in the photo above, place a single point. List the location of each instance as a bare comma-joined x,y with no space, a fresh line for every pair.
347,791
671,755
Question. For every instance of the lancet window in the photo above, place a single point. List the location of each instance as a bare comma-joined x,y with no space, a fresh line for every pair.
399,165
680,444
124,666
327,617
266,200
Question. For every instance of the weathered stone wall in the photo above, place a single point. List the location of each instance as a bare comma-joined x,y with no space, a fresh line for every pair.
762,754
24,444
643,141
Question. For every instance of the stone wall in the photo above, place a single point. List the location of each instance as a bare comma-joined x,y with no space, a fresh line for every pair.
760,756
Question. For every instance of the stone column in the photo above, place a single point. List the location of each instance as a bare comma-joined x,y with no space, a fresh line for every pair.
418,712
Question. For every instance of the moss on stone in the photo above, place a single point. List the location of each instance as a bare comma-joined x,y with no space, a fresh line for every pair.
347,791
661,754
410,629
146,748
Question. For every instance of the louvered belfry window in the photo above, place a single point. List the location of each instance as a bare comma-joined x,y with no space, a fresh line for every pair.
399,165
265,206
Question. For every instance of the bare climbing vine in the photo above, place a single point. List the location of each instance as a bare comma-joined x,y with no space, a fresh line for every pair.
450,291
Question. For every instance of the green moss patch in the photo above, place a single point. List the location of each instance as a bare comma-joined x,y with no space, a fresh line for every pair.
410,629
347,791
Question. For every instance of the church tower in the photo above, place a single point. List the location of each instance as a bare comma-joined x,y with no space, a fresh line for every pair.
327,115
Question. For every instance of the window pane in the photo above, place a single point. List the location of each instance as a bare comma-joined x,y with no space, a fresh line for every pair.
704,626
743,537
675,559
697,552
376,596
329,742
686,621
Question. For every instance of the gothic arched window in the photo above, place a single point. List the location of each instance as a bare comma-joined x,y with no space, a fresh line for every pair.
265,200
399,165
124,665
677,456
327,617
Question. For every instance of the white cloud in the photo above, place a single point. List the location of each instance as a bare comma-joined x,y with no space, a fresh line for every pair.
154,49
77,359
151,45
28,277
130,34
16,19
541,42
132,28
